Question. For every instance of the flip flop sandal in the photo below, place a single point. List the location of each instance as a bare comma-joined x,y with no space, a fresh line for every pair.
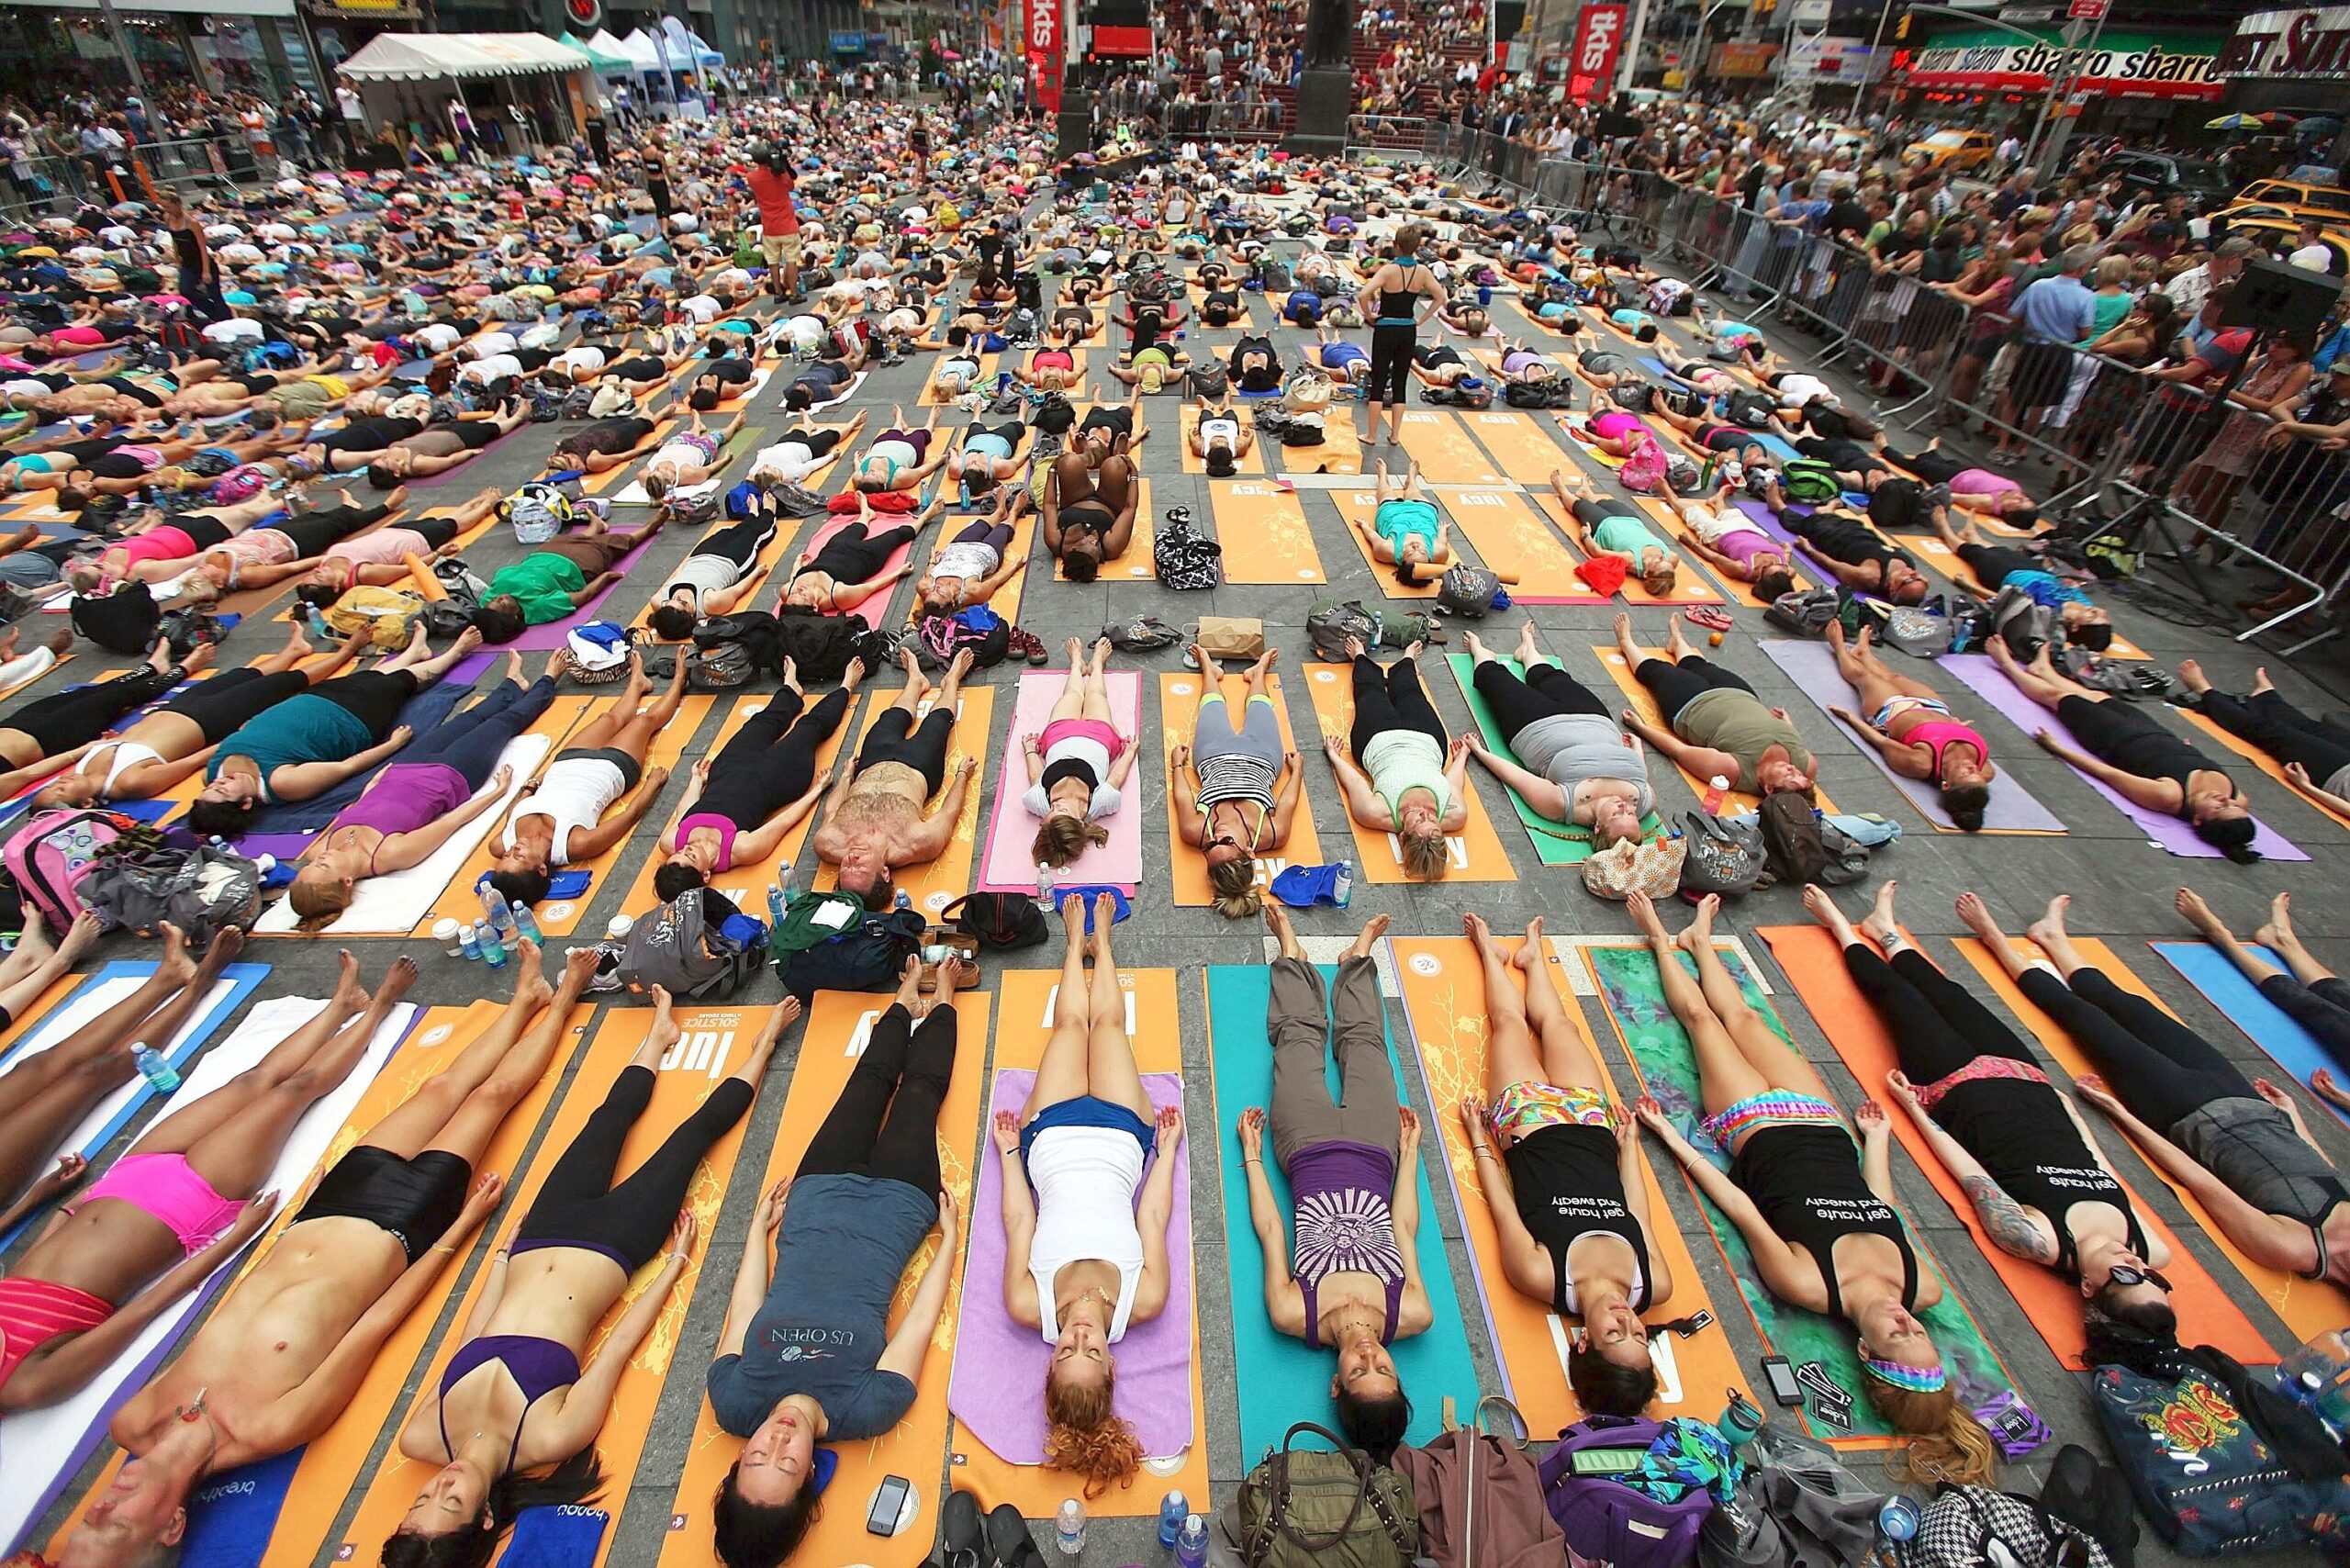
1178,514
1713,618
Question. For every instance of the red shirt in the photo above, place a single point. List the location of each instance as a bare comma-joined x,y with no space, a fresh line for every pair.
886,502
773,192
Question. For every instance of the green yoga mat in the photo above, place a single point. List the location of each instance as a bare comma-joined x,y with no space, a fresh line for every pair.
1548,846
1634,993
1281,1381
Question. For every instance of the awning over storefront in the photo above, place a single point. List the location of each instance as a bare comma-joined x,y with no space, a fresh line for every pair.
2123,65
606,62
424,56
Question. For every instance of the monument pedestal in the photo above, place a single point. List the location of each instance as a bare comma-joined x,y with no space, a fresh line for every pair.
1324,97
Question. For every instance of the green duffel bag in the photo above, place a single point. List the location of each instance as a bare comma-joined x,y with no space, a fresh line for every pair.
1315,1509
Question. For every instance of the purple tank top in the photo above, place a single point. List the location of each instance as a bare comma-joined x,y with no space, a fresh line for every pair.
407,796
1343,1224
1742,545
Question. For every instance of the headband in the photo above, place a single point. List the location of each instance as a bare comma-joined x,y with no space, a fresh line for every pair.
1917,1380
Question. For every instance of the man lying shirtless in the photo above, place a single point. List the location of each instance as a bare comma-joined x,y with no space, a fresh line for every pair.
874,821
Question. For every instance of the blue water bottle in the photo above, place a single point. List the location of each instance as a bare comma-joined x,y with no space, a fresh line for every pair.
154,1066
1191,1543
1173,1509
526,925
467,941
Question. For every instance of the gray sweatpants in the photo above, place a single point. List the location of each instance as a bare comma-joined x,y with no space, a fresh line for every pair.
1302,1028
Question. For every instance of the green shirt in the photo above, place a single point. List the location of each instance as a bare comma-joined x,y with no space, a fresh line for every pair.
543,584
1626,536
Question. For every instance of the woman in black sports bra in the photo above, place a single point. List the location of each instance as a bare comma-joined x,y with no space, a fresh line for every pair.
2041,1190
1577,1235
1816,1212
1399,286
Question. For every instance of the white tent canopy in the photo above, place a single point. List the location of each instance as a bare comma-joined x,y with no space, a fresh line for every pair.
422,57
604,46
639,47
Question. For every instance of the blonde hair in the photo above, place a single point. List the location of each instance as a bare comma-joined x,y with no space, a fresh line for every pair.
1426,859
1235,885
318,903
1946,1442
2115,269
1660,582
1061,839
1085,1436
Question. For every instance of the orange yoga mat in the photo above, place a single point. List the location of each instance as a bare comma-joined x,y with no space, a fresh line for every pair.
1643,703
2258,758
1188,421
1810,959
2308,1306
1264,533
560,917
711,1043
1024,1023
1444,998
1477,852
1179,716
787,529
322,1477
1445,452
1341,448
596,484
832,1040
1134,564
1521,447
1511,536
941,882
1689,586
1669,528
1364,505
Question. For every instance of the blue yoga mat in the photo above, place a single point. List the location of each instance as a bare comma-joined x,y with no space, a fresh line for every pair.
1281,1381
2268,1025
241,977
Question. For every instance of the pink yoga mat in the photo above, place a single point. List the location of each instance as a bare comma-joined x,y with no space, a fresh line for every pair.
1008,866
997,1387
2172,832
873,609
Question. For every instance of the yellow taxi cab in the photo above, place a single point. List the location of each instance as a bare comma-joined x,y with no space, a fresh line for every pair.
2273,211
1957,151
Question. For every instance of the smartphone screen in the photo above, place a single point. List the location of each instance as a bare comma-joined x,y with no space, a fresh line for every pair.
1784,1389
888,1501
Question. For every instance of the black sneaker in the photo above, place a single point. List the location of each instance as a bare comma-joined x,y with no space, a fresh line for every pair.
962,1538
1009,1543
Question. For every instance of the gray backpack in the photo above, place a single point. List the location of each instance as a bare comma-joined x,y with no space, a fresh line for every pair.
682,949
1329,623
1724,855
200,890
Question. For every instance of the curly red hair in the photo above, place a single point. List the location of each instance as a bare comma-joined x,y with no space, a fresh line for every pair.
1086,1437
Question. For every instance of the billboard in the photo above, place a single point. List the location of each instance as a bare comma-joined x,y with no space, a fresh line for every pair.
1591,59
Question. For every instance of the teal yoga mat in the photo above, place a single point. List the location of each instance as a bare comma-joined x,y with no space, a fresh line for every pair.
1281,1381
1548,846
1634,994
2266,1025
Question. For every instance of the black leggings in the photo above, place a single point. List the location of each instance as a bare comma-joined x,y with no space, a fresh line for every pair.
2284,732
65,720
854,557
329,525
771,760
739,543
1391,363
203,531
1545,692
1391,699
1992,563
895,737
581,1206
1935,466
2323,1009
1676,686
434,531
374,697
2159,1068
220,706
1937,1025
997,536
886,1122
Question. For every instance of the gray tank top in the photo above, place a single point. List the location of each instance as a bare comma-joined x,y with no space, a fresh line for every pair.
2252,1147
1570,749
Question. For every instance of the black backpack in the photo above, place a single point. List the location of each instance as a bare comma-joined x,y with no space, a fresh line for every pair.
1181,558
1752,410
868,956
999,920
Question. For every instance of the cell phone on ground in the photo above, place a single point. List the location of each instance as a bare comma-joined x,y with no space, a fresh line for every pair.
1698,1324
1780,1377
889,1501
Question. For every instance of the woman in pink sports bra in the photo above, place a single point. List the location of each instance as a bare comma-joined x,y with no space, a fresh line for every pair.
184,1200
1912,729
1613,430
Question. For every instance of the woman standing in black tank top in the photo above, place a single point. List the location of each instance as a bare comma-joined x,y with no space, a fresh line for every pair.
1816,1212
1576,1236
1396,289
2041,1188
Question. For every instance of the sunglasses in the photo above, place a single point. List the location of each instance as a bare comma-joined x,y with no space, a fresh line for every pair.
2124,1274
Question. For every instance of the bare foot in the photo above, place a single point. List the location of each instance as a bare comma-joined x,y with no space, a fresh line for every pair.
1879,925
396,979
1477,649
558,662
514,666
468,640
62,643
1642,909
2260,682
663,1032
219,953
853,675
1369,939
1277,923
1204,661
530,985
85,930
1821,908
350,993
1480,935
578,967
176,967
1699,935
2191,676
1526,650
2196,914
2277,931
1073,916
1530,952
1976,914
2049,929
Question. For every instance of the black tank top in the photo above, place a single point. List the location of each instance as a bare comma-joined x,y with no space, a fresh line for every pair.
1567,1185
2144,746
2030,1146
1396,304
1805,1179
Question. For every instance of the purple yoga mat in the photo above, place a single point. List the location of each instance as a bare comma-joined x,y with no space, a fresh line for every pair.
997,1387
1985,678
467,670
1760,513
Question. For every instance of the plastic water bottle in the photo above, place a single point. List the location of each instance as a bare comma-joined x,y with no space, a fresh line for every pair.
1740,1421
1068,1528
469,944
1191,1543
493,951
154,1069
1173,1509
526,925
1343,889
264,864
501,914
1046,879
778,897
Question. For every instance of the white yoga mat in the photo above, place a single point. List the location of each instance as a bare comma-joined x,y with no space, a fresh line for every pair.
40,1448
390,906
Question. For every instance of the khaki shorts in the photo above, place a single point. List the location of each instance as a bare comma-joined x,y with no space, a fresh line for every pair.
780,250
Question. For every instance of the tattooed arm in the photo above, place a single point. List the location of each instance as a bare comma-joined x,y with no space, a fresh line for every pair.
2013,1228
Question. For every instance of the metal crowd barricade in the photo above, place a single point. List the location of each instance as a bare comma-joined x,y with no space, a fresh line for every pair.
1377,134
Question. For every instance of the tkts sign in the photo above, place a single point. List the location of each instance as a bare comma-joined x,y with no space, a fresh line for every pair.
1045,47
2286,44
1591,62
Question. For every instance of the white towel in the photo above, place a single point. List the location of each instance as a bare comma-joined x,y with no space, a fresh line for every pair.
39,1449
